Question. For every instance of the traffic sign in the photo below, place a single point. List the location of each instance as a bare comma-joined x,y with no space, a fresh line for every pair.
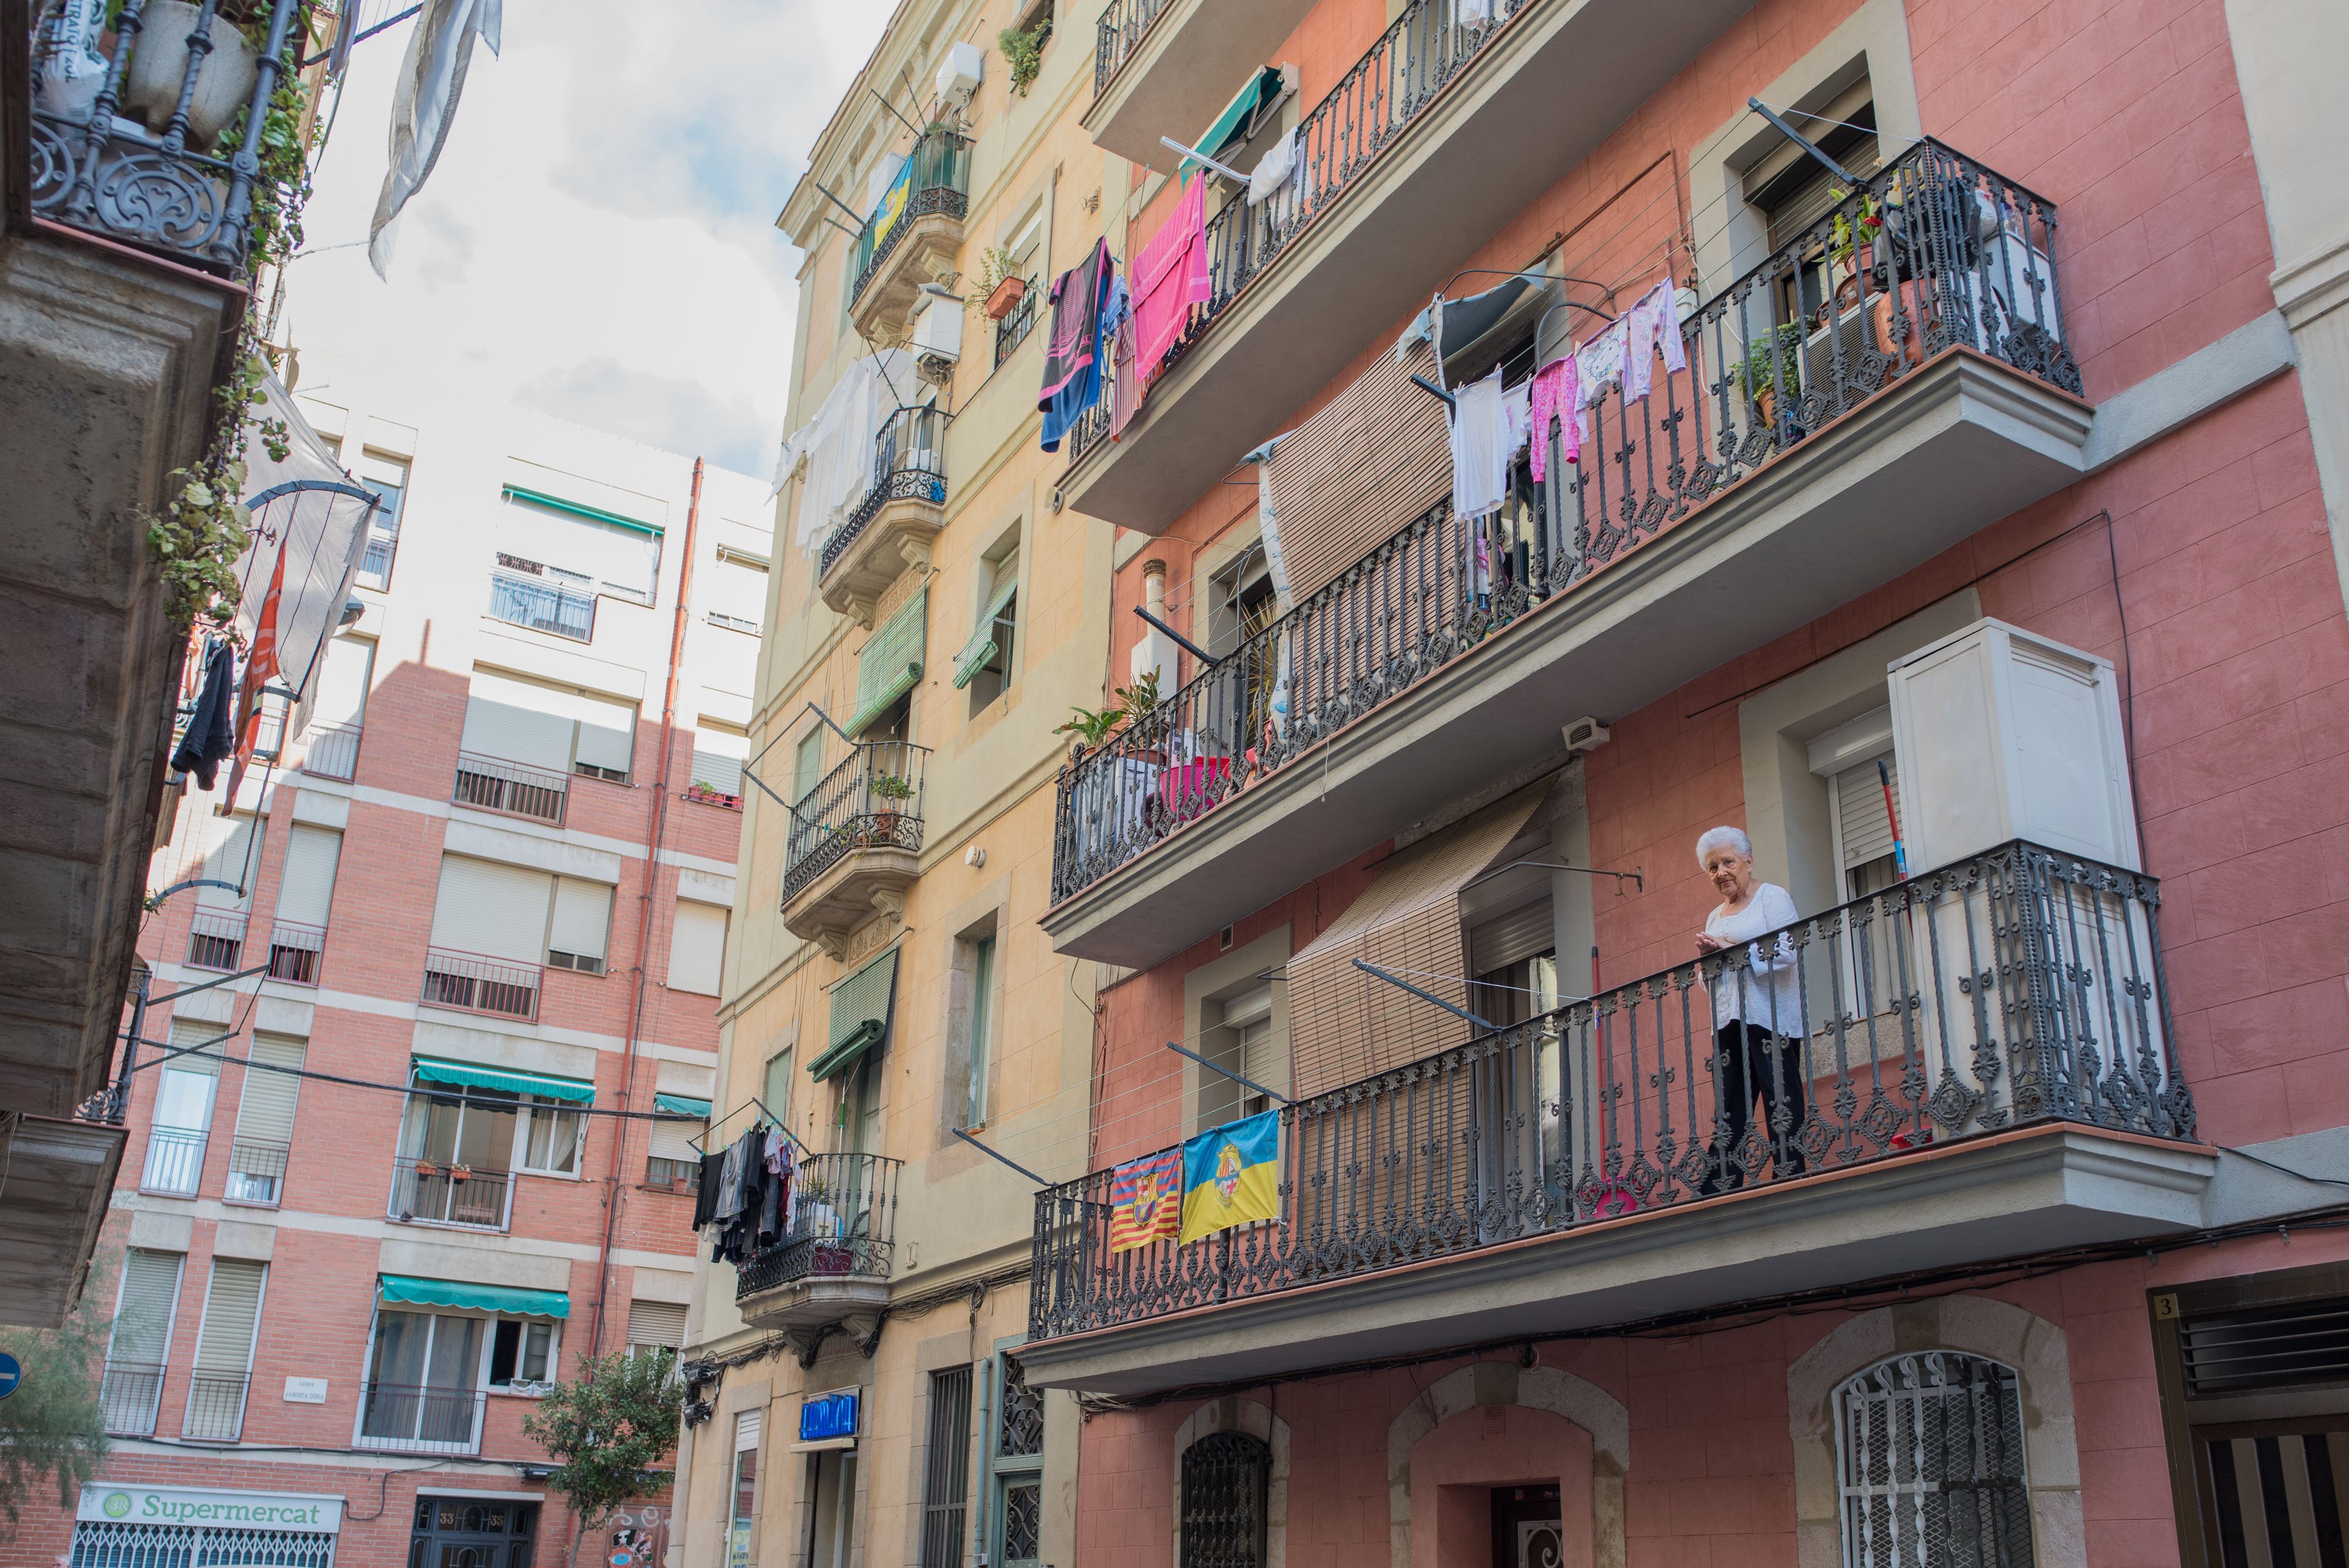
12,1372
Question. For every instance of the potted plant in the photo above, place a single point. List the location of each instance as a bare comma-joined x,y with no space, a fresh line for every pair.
1778,354
225,83
1023,54
892,791
1005,297
460,1173
425,1168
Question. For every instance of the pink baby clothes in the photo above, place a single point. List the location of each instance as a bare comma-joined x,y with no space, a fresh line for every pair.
1652,323
1170,276
1554,399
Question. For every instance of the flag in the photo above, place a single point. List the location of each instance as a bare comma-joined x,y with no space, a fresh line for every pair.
260,666
1145,1200
1231,1176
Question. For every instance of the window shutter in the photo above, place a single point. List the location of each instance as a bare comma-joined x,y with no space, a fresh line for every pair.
979,651
519,722
607,733
343,684
861,1009
186,1032
669,1141
807,766
232,1311
583,919
150,1299
737,588
777,1086
308,889
1505,939
890,663
696,953
657,1323
624,557
265,1113
717,757
496,911
746,1430
231,861
1859,810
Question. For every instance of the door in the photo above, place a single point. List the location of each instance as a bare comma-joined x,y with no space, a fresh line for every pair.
459,1532
1528,1527
832,1530
183,1117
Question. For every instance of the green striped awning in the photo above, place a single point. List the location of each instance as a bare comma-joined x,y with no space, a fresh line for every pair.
682,1105
1232,125
407,1290
976,653
579,508
860,1016
468,1075
890,663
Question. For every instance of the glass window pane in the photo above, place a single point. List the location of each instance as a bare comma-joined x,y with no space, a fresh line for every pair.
456,1352
538,1338
185,1100
400,1344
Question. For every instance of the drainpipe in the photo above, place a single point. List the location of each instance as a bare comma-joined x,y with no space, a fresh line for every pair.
659,826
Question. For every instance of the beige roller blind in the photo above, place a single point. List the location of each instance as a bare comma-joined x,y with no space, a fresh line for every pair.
607,732
265,1113
583,918
1860,807
498,910
308,889
669,1141
697,952
232,1311
518,721
717,757
657,1323
343,684
1351,475
188,1032
150,1299
231,860
1345,1024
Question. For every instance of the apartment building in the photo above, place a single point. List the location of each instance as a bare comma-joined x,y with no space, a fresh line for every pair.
1881,430
892,1009
430,1022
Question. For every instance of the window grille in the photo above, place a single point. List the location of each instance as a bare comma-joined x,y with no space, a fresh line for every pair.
106,1543
1023,1431
1225,1479
1930,1450
946,1489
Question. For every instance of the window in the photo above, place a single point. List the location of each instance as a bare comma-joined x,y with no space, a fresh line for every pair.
945,1484
543,733
1226,1483
456,1146
580,925
521,1351
655,1326
1017,1458
670,1159
184,1090
697,953
422,1389
140,1342
600,550
743,1514
888,667
1931,1450
777,1085
1245,1042
216,1388
738,591
386,477
331,742
232,856
1861,803
718,755
981,1028
550,1135
983,665
264,1121
1793,192
305,892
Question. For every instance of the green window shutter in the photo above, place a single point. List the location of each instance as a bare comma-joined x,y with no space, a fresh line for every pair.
860,1016
976,653
891,662
807,766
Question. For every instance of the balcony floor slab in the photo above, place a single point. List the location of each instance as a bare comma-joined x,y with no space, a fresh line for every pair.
61,1176
1184,70
813,1302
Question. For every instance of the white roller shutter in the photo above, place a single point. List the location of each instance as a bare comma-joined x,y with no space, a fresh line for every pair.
519,722
150,1299
343,684
718,755
697,951
669,1142
191,1032
306,891
582,920
657,1323
607,733
265,1113
738,589
497,910
1867,827
230,859
232,1311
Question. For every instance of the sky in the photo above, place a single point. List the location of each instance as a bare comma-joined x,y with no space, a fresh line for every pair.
597,240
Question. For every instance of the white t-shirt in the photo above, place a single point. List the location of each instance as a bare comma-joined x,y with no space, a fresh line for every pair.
1769,992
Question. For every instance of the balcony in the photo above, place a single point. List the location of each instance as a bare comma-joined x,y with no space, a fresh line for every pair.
216,939
331,751
1696,524
296,949
1167,67
1016,323
146,160
836,1260
914,232
542,598
1980,1067
473,982
215,1412
175,1161
439,1192
511,789
890,528
1416,154
418,1419
128,1395
854,842
256,1171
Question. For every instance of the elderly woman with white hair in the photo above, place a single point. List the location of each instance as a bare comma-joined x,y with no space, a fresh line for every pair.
1757,1014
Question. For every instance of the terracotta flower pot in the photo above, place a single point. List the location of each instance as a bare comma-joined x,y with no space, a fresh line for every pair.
159,64
1006,298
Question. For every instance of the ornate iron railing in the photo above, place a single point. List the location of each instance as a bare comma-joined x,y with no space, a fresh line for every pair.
1959,257
158,144
127,1397
2017,987
474,984
1016,323
514,789
216,938
910,463
440,1192
843,1224
332,750
872,799
1120,30
407,1418
936,182
521,596
295,951
215,1412
175,1161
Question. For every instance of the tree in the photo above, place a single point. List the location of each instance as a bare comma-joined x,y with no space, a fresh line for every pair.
54,1426
610,1429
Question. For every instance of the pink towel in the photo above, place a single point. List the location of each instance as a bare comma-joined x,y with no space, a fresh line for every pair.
1170,276
1554,399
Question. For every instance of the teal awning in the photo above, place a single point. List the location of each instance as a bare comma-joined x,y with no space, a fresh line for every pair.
579,508
407,1290
860,1016
467,1075
1232,126
979,652
682,1105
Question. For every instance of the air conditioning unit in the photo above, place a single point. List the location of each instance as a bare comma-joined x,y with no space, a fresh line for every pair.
1584,734
936,336
959,73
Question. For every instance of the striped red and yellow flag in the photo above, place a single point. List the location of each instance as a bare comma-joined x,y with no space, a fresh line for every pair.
1146,1200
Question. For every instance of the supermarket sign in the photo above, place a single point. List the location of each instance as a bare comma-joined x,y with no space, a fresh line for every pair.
309,1513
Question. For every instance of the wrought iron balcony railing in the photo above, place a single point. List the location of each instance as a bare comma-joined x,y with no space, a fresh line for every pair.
474,984
295,952
128,1395
442,1192
872,800
216,938
843,1224
412,1419
935,181
332,750
910,463
2014,988
1960,257
1016,324
514,789
1120,32
175,1161
158,143
521,593
215,1412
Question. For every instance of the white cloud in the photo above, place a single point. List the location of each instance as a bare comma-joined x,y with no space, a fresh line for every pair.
597,239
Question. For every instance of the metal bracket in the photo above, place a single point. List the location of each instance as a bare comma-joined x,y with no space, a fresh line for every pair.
1227,1072
1001,1159
1485,1025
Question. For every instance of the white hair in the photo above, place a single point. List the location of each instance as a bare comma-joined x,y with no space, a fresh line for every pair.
1723,837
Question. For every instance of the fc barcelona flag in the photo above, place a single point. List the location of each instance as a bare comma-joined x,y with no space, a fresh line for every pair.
1231,1176
1146,1200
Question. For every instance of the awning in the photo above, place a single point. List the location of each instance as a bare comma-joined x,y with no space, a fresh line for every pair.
682,1105
1233,125
860,1016
468,1076
407,1290
890,663
977,654
578,508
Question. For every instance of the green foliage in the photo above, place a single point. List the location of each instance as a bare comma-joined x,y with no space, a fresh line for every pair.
1780,351
1134,704
52,1428
1023,54
609,1429
889,787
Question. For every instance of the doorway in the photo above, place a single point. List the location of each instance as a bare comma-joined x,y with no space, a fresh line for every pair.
1528,1527
832,1522
458,1532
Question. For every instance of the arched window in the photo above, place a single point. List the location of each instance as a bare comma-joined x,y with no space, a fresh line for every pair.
1225,1480
1930,1446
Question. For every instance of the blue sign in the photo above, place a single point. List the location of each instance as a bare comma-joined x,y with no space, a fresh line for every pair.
12,1372
827,1417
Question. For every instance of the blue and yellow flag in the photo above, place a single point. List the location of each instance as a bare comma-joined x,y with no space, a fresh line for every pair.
1231,1176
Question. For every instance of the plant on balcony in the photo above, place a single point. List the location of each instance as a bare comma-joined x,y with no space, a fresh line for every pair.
609,1428
53,1427
1023,54
1135,703
1778,354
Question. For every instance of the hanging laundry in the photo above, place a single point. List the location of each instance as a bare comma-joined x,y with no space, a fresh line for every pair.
1484,437
1273,169
1472,12
1124,373
1072,358
1599,369
1554,398
1651,323
212,733
1170,276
